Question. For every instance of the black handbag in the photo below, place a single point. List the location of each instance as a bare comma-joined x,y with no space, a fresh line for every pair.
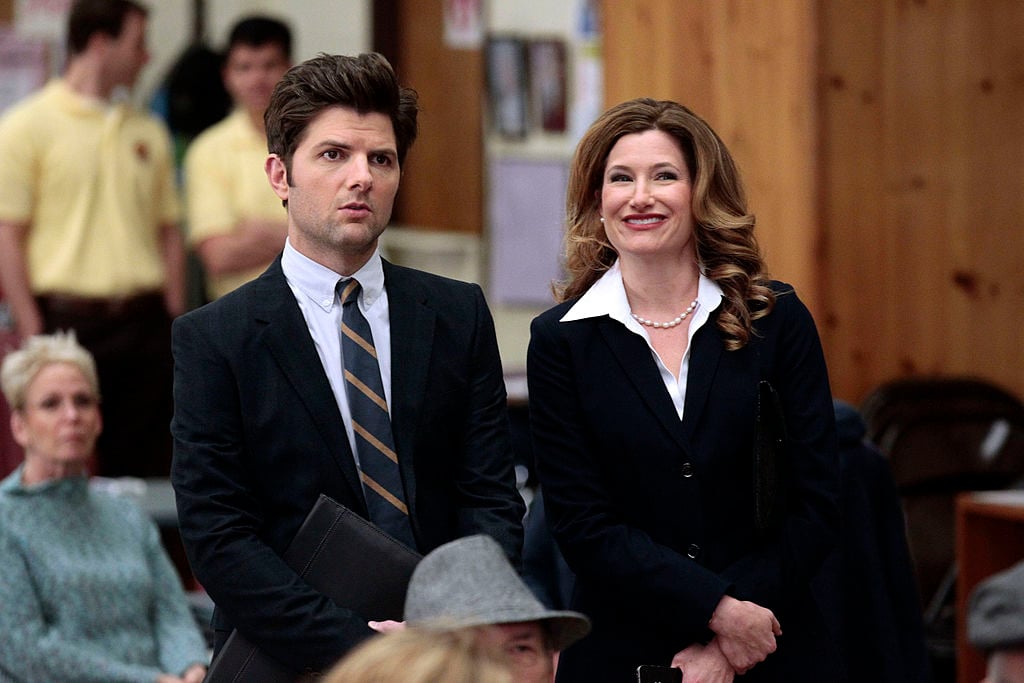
771,466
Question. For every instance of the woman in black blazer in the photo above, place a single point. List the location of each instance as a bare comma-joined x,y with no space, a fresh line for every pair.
643,388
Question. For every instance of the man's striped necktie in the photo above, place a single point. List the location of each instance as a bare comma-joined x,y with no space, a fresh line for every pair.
378,460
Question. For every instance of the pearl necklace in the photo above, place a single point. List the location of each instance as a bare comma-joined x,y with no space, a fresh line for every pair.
671,323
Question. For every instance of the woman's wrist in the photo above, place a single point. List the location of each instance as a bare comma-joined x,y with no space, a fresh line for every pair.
720,617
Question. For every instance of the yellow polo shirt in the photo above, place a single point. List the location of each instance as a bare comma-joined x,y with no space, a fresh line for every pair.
225,183
94,182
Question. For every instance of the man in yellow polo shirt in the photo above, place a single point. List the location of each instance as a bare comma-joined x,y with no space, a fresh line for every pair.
235,221
88,228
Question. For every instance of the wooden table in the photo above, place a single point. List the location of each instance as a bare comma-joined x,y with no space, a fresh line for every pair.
989,538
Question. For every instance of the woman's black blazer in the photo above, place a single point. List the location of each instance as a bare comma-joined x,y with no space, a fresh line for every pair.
655,514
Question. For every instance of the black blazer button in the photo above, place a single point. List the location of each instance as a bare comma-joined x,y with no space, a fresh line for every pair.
686,470
693,551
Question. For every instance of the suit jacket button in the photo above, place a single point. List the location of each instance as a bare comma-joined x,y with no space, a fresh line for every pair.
693,551
686,470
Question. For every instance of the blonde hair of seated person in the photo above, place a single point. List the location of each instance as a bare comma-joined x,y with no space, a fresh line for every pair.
422,655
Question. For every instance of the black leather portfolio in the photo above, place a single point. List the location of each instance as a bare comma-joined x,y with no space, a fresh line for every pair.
771,475
347,559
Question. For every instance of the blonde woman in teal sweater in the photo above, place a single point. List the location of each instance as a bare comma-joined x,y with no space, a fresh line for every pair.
87,592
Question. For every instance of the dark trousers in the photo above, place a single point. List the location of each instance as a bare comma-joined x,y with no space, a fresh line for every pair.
131,342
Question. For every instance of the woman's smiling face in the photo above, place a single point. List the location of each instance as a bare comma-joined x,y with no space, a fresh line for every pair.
645,197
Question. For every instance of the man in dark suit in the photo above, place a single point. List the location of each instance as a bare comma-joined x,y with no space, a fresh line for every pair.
268,411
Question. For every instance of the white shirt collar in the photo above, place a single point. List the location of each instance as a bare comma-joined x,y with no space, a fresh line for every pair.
607,296
318,282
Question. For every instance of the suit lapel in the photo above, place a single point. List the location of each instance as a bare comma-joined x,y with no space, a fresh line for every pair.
287,337
412,340
633,354
705,354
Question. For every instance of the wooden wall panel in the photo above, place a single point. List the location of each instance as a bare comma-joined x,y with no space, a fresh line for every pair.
858,251
749,69
923,128
661,49
442,182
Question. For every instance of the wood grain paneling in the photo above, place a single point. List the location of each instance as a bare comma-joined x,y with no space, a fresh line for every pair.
442,182
853,154
923,127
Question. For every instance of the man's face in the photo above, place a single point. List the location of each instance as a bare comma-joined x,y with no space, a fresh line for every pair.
127,54
251,73
341,187
526,648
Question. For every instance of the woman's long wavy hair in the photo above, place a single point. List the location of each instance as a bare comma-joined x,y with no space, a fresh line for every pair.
727,250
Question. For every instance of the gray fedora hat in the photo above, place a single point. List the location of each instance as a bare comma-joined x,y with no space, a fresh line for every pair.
470,582
995,617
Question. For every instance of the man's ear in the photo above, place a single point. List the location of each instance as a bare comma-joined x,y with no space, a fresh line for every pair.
277,175
99,42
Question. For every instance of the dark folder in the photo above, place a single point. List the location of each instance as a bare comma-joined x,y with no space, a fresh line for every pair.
771,464
346,558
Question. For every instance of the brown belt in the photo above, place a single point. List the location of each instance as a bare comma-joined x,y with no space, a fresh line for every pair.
99,307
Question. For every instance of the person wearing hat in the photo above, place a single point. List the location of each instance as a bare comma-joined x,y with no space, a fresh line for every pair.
995,624
468,583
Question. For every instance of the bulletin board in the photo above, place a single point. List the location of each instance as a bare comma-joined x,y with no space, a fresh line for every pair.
526,203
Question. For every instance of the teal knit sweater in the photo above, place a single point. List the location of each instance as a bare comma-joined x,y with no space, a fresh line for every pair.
87,592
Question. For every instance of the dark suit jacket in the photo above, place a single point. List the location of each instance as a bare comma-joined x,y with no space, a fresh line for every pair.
655,515
258,437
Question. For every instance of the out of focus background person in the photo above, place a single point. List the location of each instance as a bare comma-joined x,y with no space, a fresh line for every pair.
236,223
88,592
470,584
866,587
995,624
422,656
88,228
